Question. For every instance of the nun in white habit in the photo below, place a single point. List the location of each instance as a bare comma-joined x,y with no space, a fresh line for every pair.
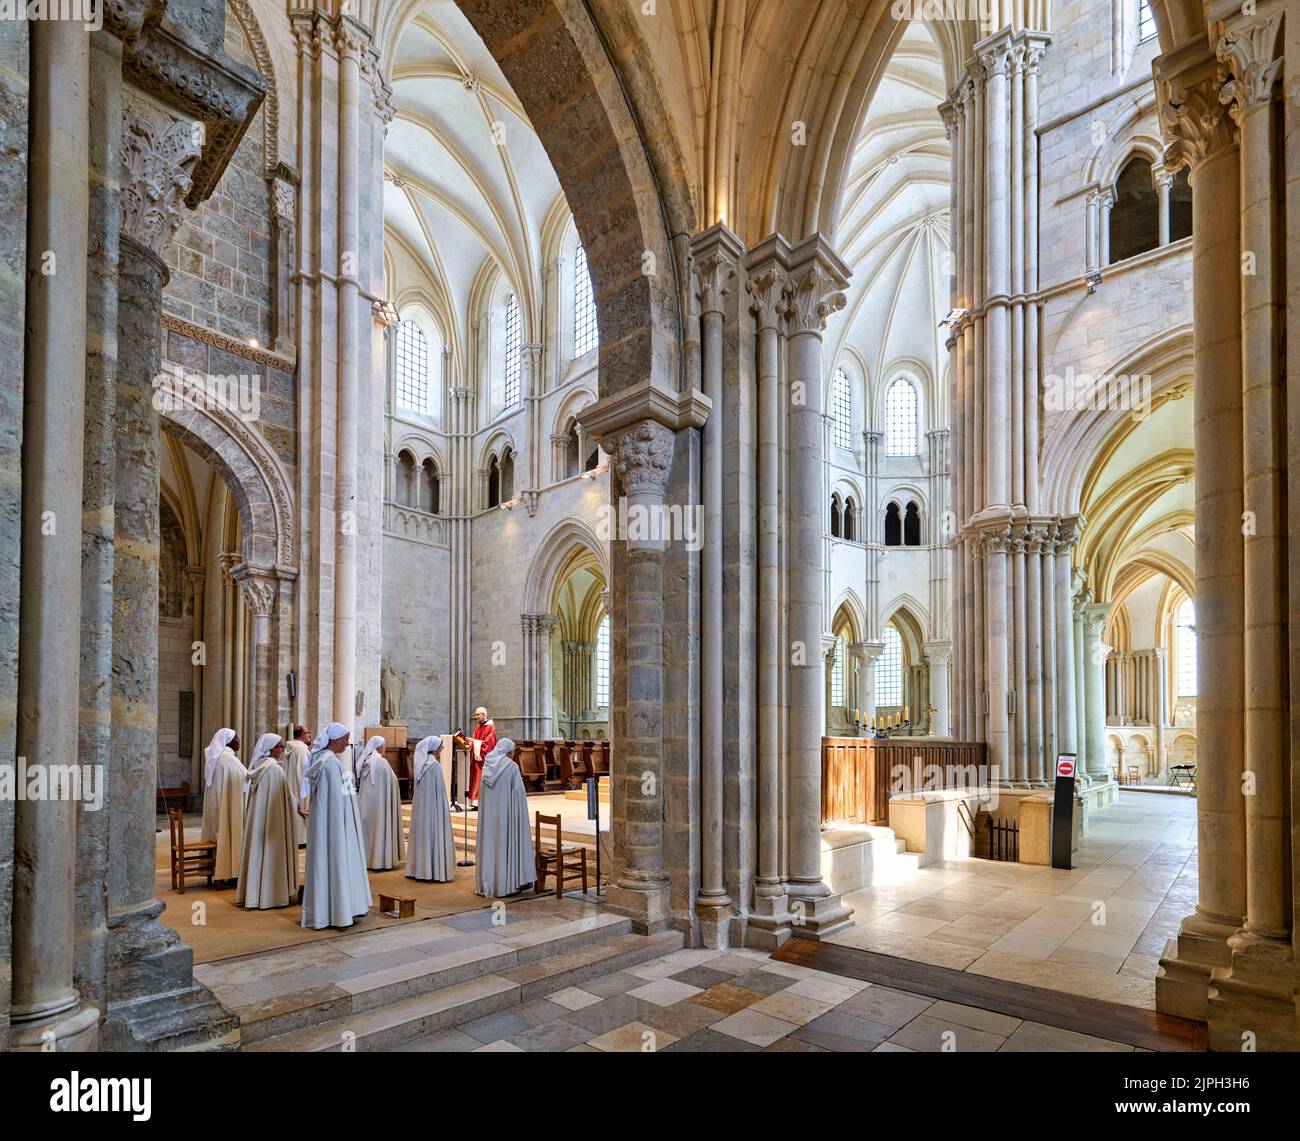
381,808
223,802
335,888
268,869
430,852
505,860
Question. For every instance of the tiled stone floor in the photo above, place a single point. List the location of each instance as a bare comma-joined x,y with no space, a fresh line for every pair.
1096,930
739,1001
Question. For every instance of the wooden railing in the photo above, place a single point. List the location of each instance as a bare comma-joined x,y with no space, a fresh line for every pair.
859,774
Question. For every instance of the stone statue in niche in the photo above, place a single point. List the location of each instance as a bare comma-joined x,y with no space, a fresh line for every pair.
391,689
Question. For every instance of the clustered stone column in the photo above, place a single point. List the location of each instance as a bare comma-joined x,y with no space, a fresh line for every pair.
1013,638
1233,962
817,277
715,254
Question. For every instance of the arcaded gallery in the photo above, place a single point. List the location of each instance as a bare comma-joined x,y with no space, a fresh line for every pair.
651,526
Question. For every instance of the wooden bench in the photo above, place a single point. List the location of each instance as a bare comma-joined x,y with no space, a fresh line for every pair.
532,763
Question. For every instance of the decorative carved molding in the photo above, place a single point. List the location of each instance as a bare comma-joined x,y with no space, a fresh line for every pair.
228,344
218,92
418,526
1252,55
767,292
159,155
252,30
643,458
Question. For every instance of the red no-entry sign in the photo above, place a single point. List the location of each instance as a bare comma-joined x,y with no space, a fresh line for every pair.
1064,766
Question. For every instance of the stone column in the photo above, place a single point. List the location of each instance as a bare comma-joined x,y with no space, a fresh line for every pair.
149,967
1256,994
642,459
938,654
716,252
767,285
1081,599
1200,135
817,276
1096,652
196,576
1105,201
543,704
258,589
1067,736
349,40
1164,183
46,1009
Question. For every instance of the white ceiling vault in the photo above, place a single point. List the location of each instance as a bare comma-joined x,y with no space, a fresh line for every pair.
893,227
468,189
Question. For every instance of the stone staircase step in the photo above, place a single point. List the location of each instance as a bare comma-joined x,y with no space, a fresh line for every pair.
540,969
399,1022
570,968
348,997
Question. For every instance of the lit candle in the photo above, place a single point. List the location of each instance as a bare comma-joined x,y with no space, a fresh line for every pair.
905,717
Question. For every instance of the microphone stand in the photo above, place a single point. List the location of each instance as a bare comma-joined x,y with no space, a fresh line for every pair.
464,814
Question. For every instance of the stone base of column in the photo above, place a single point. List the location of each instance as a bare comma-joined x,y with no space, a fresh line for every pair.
76,1029
154,1002
646,904
1183,984
1252,1003
769,922
714,922
816,912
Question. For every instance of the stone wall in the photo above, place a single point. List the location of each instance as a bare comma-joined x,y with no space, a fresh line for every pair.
220,257
505,544
416,619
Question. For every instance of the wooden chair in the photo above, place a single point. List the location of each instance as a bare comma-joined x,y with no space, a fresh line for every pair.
569,764
569,860
600,759
533,765
189,857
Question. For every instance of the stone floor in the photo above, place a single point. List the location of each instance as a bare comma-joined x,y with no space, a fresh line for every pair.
1095,931
741,1001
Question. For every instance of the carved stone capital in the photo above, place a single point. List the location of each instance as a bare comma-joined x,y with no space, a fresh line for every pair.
215,90
159,154
350,40
1252,53
713,276
643,459
814,296
1193,120
257,587
767,297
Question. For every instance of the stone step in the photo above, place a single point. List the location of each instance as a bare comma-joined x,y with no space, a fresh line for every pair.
347,998
398,1022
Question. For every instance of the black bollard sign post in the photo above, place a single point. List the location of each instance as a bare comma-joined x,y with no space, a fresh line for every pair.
1063,810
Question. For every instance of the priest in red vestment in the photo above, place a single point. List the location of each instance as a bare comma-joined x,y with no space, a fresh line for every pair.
486,733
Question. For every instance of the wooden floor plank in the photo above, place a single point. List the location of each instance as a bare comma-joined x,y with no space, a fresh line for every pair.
1100,1019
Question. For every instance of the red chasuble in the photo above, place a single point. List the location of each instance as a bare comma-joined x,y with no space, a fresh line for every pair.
488,735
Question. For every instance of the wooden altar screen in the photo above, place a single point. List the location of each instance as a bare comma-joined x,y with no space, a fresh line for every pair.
859,774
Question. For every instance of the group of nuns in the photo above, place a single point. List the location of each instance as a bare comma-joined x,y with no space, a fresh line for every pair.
252,815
